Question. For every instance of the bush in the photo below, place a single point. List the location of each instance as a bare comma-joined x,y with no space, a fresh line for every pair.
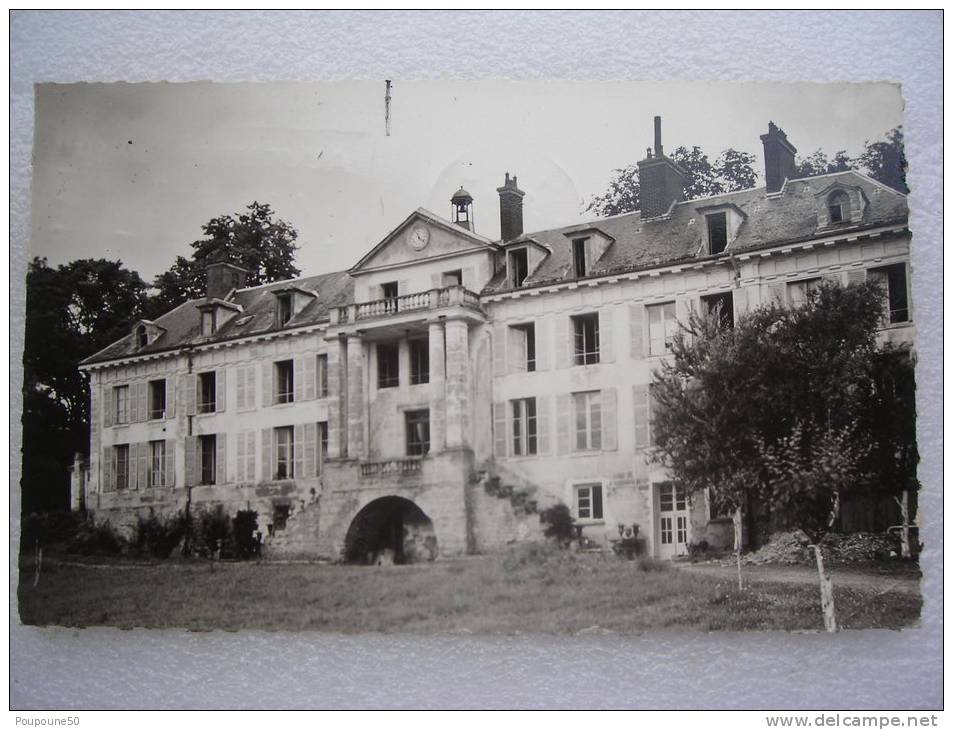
96,538
213,529
558,524
50,528
244,537
157,536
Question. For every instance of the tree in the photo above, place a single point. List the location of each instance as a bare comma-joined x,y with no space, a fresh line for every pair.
253,239
72,311
622,195
772,410
885,161
817,163
735,170
701,181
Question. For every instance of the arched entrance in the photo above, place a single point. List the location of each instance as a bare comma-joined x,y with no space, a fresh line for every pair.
390,530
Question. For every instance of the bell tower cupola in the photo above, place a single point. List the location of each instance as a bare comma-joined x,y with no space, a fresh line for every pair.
462,205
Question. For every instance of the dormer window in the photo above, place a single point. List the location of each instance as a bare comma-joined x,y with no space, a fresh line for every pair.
717,232
838,206
142,337
579,257
518,267
284,309
208,323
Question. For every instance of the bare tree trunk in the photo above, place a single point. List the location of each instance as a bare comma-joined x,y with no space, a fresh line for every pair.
827,592
736,522
39,564
904,503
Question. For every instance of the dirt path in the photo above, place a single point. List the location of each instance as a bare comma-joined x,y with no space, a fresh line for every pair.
864,579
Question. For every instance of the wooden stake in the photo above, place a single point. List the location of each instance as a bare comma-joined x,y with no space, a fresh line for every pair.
736,521
827,592
39,564
904,503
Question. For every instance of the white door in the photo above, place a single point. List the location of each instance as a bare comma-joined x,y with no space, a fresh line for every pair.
672,521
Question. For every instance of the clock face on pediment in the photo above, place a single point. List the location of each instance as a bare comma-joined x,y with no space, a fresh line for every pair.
419,238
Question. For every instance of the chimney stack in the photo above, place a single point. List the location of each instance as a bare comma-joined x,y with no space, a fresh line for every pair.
661,179
511,209
221,277
778,158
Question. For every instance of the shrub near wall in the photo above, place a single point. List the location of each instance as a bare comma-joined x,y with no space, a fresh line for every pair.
157,535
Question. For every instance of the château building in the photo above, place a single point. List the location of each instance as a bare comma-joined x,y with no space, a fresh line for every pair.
433,398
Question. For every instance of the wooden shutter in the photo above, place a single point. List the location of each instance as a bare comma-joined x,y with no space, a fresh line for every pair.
169,463
310,450
610,440
170,392
402,288
250,455
190,383
191,446
267,394
109,406
542,424
683,314
515,350
563,423
775,294
145,456
310,372
499,349
640,408
297,369
833,277
105,469
240,451
606,346
267,465
564,342
250,385
219,392
468,279
241,398
739,303
856,276
636,331
500,430
143,398
544,342
298,451
221,473
132,403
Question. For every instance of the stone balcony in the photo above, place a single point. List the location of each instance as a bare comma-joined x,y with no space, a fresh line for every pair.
391,467
415,304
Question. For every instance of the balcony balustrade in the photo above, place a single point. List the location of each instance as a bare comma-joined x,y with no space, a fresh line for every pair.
400,467
416,302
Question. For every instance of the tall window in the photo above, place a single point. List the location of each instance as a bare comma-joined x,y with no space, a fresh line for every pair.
717,232
589,501
284,309
587,411
524,426
586,339
453,278
157,477
419,361
207,459
285,381
157,399
390,292
207,392
523,347
388,365
893,282
838,206
519,267
663,327
322,376
722,306
579,257
122,466
322,444
418,432
800,291
284,452
121,403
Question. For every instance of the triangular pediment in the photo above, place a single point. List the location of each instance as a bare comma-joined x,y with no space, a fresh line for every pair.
422,235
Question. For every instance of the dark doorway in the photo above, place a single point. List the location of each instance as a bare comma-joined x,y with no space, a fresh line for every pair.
390,530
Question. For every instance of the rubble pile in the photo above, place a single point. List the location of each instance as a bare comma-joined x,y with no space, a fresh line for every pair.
785,548
790,548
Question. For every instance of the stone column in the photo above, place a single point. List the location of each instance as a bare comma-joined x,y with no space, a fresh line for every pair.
356,397
458,384
337,399
438,403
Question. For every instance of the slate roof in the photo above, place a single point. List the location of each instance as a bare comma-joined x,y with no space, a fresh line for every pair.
788,216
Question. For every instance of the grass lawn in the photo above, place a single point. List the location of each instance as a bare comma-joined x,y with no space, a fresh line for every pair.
528,590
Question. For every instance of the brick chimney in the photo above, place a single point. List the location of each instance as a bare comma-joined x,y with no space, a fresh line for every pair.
511,209
221,277
778,158
661,179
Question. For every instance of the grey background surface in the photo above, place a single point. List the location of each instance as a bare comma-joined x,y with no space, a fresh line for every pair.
103,668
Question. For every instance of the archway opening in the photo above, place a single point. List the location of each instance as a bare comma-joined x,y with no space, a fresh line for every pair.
390,530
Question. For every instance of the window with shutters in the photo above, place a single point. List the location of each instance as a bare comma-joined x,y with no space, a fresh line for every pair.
157,464
717,224
517,267
419,361
722,307
285,381
388,365
156,399
322,376
579,257
284,452
522,339
587,420
799,292
206,392
207,446
121,457
892,281
585,339
418,432
284,309
588,499
121,404
523,419
663,326
322,444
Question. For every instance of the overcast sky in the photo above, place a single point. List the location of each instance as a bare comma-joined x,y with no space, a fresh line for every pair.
132,171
